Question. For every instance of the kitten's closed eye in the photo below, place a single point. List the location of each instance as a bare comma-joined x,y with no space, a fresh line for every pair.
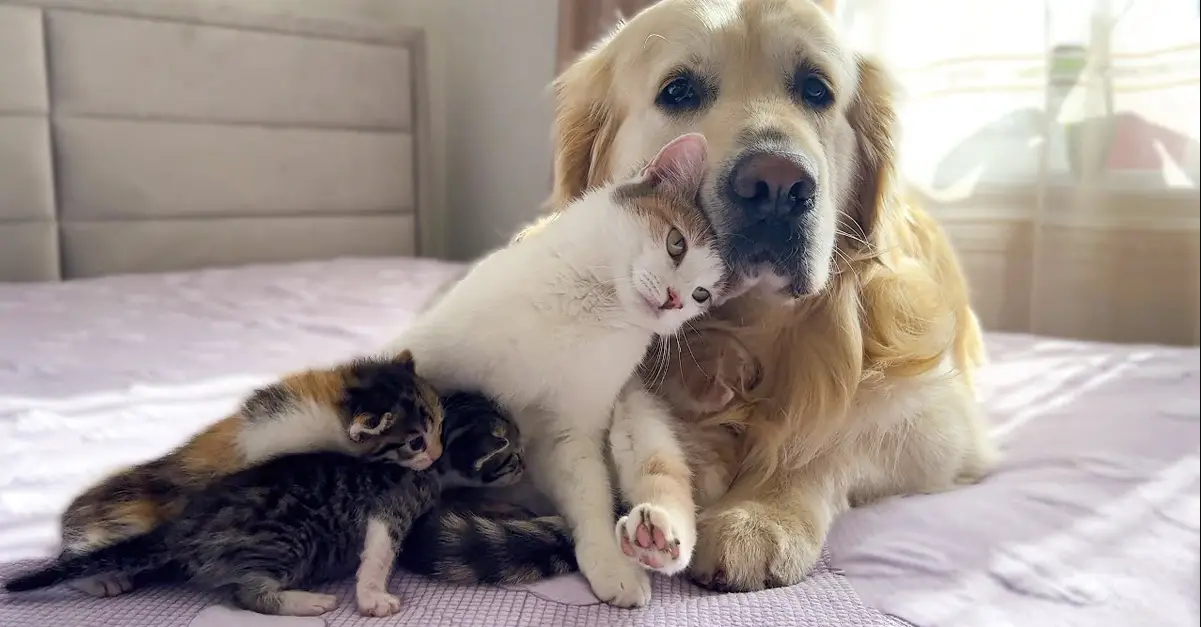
505,467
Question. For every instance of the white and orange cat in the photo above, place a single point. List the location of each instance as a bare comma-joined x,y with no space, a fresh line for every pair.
554,326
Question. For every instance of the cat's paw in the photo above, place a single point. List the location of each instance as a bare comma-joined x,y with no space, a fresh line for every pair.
301,603
614,579
656,539
376,602
103,585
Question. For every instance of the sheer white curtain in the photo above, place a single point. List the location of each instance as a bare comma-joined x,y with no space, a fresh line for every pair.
1057,141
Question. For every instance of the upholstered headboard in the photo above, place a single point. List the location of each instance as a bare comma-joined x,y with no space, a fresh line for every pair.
144,136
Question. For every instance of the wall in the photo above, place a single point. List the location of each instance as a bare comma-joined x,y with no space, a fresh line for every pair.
500,60
490,65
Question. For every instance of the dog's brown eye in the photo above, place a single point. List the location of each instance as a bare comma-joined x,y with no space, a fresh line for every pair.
813,90
676,244
682,93
416,444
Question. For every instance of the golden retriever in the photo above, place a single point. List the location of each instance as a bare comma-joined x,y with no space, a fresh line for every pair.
841,374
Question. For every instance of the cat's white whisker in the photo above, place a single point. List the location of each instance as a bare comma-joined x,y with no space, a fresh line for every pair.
663,358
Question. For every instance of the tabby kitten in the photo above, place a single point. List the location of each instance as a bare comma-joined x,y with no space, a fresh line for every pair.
304,518
370,407
474,537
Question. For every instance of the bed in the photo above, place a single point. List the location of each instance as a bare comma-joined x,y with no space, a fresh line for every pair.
173,236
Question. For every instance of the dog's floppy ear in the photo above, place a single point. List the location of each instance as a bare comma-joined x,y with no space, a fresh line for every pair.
585,125
826,5
873,118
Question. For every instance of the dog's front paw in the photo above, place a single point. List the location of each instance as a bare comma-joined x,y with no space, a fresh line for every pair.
656,538
750,546
614,579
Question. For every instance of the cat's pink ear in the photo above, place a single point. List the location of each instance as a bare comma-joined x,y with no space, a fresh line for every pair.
681,164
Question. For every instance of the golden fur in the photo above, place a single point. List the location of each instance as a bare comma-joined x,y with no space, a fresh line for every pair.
856,392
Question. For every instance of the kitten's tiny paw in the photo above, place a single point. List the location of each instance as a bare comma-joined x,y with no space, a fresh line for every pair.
301,603
104,585
655,538
615,580
376,602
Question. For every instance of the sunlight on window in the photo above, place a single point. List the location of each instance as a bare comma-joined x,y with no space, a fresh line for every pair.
1041,92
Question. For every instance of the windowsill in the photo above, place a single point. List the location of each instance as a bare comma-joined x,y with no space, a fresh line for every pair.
1112,206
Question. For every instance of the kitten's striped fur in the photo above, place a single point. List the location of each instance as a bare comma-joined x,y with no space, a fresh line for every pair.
470,538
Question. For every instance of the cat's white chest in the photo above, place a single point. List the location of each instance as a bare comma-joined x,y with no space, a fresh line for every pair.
560,366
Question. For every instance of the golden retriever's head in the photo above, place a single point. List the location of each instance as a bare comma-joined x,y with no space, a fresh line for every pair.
799,128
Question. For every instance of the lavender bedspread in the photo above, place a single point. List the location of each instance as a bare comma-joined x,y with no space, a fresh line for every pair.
1092,520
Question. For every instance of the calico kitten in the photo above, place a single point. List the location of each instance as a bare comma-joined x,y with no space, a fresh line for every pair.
373,407
302,519
553,328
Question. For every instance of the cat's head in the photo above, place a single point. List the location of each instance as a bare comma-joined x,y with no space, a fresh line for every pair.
483,444
673,260
393,414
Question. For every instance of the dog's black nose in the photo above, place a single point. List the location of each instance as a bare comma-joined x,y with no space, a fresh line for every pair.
772,185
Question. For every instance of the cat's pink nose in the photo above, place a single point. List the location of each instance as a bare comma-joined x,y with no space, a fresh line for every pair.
673,300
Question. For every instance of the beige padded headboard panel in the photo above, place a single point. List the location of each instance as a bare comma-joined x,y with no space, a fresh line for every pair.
157,136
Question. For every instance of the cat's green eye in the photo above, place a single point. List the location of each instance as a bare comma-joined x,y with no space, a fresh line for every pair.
676,244
701,295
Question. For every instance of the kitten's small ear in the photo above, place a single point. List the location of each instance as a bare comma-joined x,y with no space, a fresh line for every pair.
680,165
405,358
365,425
